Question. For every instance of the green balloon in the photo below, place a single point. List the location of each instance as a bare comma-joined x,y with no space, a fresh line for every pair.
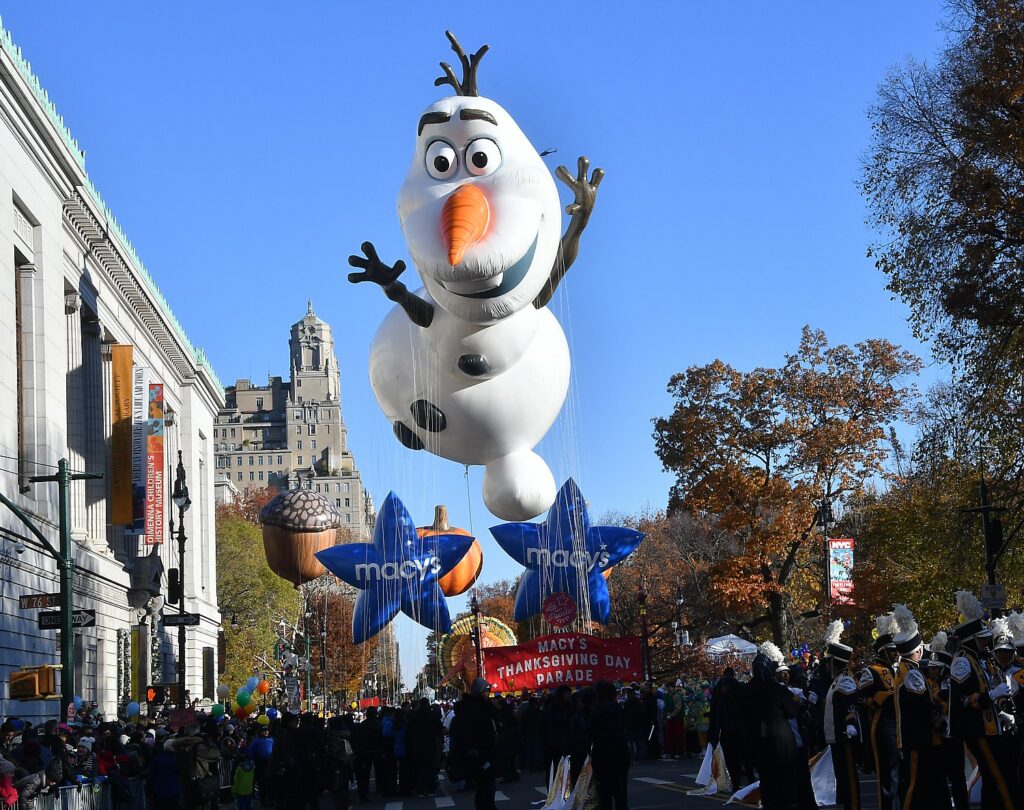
217,710
243,698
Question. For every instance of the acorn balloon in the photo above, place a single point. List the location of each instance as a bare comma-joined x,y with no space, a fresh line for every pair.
297,524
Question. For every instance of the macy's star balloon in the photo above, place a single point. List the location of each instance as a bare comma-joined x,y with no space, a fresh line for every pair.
397,571
565,554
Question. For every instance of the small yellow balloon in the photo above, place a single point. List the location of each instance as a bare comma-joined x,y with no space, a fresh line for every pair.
354,704
263,720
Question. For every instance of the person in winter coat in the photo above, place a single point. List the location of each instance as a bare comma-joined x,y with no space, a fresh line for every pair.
338,759
479,731
8,795
610,750
635,724
31,786
725,726
366,740
243,786
162,784
423,743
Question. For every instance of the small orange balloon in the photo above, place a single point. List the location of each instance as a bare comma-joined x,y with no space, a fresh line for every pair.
263,687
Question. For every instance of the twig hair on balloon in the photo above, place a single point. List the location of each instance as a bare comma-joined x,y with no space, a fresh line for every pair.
467,86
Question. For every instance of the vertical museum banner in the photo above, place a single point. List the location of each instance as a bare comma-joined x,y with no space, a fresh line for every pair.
840,570
140,428
155,466
121,436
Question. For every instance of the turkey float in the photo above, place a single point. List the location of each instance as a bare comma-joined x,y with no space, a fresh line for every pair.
473,367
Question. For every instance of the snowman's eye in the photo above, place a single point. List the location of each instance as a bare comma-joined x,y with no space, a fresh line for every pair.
482,157
442,162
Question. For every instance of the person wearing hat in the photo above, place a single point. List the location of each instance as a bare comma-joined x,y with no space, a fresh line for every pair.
876,687
917,739
781,755
972,705
839,717
951,782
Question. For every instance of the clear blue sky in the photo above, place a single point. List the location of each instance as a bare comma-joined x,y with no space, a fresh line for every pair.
247,148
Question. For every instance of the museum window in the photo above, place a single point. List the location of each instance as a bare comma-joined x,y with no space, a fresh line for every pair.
261,475
250,461
300,461
337,501
337,487
298,445
239,476
312,444
261,460
252,475
348,517
232,433
346,486
298,414
298,430
348,501
279,461
238,460
312,430
259,403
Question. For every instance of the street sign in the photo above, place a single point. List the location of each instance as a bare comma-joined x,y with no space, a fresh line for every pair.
80,618
34,601
993,597
181,619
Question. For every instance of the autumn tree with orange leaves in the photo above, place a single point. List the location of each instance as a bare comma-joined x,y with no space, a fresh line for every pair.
755,454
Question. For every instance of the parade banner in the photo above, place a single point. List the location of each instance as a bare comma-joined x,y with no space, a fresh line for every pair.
155,467
840,570
570,658
121,435
140,428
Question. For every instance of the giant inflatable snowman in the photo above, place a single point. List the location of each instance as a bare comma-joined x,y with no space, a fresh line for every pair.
473,366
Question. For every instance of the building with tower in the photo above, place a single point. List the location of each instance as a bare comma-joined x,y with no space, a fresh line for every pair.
290,432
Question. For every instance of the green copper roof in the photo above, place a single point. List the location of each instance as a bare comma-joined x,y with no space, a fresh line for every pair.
43,98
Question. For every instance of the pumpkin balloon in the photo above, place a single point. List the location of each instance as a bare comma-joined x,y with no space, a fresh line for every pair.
296,525
461,578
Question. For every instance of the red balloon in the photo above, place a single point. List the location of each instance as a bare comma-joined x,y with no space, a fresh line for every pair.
240,713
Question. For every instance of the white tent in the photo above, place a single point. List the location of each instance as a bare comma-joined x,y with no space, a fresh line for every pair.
730,645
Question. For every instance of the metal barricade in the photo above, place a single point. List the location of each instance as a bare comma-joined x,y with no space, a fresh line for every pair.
94,797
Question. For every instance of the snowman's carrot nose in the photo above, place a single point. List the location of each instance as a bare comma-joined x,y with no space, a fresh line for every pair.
464,220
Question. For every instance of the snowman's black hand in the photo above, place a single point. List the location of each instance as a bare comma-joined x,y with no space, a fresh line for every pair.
373,269
420,312
584,191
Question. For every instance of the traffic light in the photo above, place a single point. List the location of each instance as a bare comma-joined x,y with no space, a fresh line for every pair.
156,694
173,586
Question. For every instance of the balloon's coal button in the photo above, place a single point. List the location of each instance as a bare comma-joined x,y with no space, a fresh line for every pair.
474,365
407,437
428,416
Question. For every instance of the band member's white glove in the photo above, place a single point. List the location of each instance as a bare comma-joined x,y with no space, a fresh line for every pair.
1007,720
813,697
851,732
997,692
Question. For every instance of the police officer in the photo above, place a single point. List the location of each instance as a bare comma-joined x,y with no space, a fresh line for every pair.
952,781
914,712
972,712
875,688
839,716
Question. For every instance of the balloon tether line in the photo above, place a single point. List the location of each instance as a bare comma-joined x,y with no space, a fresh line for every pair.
469,501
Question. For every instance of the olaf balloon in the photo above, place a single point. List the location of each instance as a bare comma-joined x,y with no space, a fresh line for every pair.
473,367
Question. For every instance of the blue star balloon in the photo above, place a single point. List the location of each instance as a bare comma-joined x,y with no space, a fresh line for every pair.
397,571
565,554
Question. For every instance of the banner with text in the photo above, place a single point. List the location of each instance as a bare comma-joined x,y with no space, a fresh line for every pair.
121,435
840,570
155,466
140,428
570,658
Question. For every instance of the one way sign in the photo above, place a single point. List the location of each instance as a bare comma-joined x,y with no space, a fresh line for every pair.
50,620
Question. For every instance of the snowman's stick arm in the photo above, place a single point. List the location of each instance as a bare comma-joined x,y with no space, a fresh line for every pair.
580,210
420,312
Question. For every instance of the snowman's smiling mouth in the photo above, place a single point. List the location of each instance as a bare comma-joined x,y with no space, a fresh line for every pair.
509,279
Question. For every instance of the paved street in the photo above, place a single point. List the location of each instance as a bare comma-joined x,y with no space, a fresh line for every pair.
652,786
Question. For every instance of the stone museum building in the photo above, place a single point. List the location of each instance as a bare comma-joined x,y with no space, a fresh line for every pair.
95,368
291,433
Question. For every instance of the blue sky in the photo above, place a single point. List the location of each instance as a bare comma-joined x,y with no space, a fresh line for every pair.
248,148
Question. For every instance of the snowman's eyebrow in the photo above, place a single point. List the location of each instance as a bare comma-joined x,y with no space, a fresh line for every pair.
469,114
437,117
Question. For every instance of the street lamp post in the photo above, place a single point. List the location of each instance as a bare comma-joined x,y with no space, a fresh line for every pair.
641,599
474,606
183,502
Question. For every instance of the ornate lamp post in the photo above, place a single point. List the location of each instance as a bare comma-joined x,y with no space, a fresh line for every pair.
183,502
641,599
